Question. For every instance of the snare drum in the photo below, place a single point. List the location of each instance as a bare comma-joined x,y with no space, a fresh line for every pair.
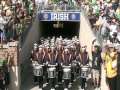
66,73
38,70
51,72
84,72
34,63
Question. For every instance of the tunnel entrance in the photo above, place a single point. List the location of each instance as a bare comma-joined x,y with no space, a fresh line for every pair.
66,29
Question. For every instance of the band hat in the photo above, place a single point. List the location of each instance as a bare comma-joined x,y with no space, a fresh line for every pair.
6,46
84,46
66,50
35,44
47,47
52,47
35,47
40,46
40,49
78,40
19,1
52,44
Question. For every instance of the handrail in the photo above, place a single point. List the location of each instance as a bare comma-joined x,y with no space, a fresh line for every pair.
61,11
55,7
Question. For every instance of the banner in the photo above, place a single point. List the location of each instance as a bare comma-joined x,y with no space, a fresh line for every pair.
59,16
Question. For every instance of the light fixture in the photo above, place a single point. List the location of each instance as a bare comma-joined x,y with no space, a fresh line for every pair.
58,25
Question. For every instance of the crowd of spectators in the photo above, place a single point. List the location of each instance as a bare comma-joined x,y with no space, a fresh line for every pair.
104,17
13,14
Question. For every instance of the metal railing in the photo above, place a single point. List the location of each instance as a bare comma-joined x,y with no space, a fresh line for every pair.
55,7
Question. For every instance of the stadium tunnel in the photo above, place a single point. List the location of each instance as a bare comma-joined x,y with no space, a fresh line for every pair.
66,29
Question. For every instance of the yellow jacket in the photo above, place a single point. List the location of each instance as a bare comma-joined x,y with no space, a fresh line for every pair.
110,70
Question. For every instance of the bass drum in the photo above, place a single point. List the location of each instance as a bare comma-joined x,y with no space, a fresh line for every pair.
51,72
66,73
38,70
84,71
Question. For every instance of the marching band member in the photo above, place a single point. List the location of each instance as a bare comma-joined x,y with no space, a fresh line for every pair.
66,57
66,67
41,55
34,59
77,46
59,60
46,61
96,65
52,67
73,53
84,56
52,56
73,63
33,53
84,61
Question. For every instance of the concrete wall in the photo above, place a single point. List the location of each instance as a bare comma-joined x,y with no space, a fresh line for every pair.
86,34
13,66
31,38
14,78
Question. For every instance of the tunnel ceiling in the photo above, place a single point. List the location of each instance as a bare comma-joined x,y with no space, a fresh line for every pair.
65,29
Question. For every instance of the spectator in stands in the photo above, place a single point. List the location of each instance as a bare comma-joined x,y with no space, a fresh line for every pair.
84,56
114,38
110,63
12,15
96,64
2,23
1,79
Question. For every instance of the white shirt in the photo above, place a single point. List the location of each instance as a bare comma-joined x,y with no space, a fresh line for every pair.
104,25
118,36
13,1
2,22
113,29
37,2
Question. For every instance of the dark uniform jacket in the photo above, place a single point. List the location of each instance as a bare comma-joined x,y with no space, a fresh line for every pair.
96,60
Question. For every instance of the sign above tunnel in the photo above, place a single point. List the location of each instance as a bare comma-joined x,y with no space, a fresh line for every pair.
59,16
